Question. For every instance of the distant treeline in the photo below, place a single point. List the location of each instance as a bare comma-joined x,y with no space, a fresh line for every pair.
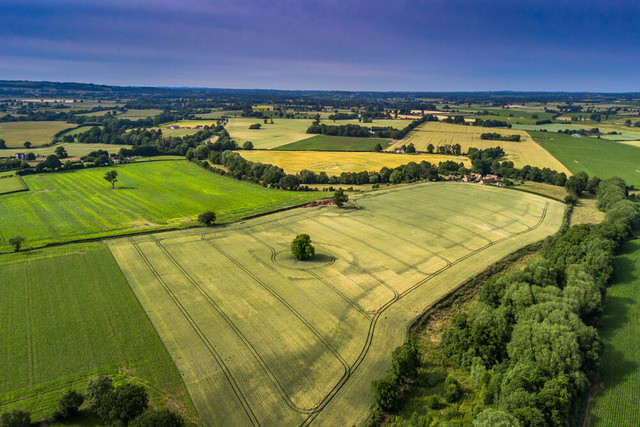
365,131
498,137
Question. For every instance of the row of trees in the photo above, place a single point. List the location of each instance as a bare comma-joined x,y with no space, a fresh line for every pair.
365,131
499,137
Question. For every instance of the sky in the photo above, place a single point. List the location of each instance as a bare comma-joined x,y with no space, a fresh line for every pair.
359,45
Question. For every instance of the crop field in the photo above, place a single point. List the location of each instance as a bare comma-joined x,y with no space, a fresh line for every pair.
10,183
188,123
262,339
335,143
16,134
594,156
134,114
334,163
69,205
525,152
67,314
617,404
282,131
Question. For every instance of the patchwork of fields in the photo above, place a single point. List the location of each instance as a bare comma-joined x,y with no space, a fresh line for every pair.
67,315
262,339
282,131
11,183
64,206
525,152
16,134
334,163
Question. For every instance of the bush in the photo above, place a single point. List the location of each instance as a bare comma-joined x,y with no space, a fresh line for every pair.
571,200
69,404
255,126
301,247
123,404
452,389
15,418
97,390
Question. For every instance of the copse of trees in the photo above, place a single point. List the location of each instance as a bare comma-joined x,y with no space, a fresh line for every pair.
499,137
365,131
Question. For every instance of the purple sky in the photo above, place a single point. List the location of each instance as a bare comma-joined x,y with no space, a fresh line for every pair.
398,45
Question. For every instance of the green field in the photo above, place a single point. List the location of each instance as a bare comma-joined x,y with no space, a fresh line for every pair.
70,205
617,404
335,143
281,132
74,149
10,183
595,156
624,133
67,314
394,123
262,339
16,134
134,114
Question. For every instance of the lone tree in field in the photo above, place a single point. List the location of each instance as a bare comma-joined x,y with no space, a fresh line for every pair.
339,198
16,242
301,247
3,144
27,144
207,218
112,177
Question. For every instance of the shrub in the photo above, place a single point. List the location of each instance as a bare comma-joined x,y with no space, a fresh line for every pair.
433,402
385,392
452,389
207,218
15,418
158,418
69,404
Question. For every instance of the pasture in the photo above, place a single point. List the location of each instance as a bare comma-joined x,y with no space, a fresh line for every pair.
335,143
624,133
186,123
135,114
78,204
334,163
525,152
597,157
262,339
16,134
282,131
617,404
10,183
67,315
394,123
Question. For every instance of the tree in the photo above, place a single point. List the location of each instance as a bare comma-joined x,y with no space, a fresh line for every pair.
339,198
16,242
385,392
112,177
97,390
255,126
123,404
411,149
405,360
301,247
27,144
207,218
61,152
377,148
158,418
69,404
430,148
395,177
31,157
15,418
452,389
3,144
248,145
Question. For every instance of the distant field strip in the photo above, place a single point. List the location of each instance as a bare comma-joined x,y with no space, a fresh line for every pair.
525,152
149,195
16,134
261,339
336,162
270,135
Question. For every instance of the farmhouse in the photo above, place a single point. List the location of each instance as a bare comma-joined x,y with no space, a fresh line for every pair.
399,150
20,156
489,179
474,177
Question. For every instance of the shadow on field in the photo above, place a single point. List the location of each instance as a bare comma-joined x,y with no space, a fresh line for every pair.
126,188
